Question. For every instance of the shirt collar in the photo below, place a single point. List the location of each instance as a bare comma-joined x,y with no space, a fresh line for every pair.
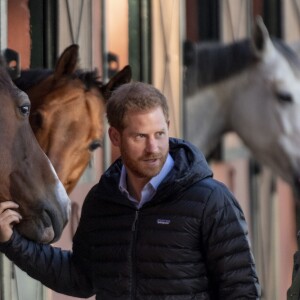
155,181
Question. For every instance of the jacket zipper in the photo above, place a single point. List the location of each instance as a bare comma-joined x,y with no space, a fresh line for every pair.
133,254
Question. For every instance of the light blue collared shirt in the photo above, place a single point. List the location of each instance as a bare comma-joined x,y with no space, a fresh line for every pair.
150,188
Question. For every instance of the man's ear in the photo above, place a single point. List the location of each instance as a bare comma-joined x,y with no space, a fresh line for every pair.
114,136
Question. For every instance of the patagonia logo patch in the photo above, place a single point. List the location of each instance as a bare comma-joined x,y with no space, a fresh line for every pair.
163,221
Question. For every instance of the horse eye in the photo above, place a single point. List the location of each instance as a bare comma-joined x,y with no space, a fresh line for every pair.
285,97
94,145
25,109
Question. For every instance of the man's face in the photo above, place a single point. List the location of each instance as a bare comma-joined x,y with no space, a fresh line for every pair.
144,143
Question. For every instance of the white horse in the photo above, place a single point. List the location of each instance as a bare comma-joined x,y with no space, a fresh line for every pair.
251,87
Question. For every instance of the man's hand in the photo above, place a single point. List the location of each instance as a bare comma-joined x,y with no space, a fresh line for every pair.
8,217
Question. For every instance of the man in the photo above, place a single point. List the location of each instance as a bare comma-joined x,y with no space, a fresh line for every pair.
157,225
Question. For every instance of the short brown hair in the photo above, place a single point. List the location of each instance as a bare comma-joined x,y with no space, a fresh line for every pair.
134,96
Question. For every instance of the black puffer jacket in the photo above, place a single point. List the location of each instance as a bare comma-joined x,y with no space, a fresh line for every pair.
188,243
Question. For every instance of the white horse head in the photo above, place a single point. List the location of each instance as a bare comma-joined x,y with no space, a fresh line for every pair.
251,87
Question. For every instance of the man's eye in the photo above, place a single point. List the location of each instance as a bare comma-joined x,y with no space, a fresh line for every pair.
160,134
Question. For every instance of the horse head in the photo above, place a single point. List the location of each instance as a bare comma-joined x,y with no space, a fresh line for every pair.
27,176
68,108
251,87
266,116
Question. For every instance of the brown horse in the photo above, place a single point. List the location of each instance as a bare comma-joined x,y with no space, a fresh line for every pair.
27,176
68,107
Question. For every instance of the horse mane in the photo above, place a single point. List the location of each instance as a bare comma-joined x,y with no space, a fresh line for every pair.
32,77
211,62
89,78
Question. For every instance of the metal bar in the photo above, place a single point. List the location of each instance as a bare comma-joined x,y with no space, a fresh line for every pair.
3,24
70,22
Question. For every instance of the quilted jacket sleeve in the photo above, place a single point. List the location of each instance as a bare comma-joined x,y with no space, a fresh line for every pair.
230,262
53,267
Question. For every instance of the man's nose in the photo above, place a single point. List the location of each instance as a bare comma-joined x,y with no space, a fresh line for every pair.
151,145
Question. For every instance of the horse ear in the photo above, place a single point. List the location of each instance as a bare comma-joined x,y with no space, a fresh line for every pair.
261,41
123,76
67,62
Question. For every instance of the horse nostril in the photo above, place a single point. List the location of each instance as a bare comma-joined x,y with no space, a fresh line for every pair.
47,220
